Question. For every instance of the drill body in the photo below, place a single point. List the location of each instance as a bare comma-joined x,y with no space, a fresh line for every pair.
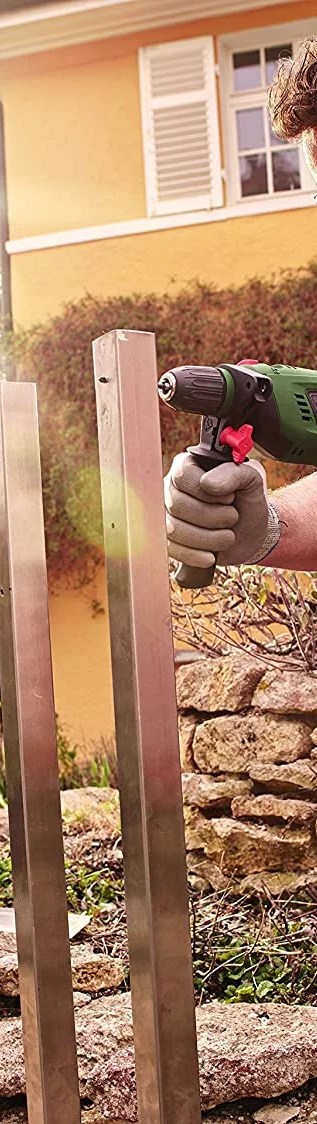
277,403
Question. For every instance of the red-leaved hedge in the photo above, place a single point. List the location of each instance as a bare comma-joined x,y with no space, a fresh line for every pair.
272,320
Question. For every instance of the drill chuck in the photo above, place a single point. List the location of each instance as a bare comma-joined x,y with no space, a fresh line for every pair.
167,386
195,390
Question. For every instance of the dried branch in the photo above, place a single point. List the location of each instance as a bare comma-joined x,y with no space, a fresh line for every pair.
268,613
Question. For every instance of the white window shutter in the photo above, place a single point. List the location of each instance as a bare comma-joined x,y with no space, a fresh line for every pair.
180,127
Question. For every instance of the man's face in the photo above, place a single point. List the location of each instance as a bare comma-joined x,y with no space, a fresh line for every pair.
310,150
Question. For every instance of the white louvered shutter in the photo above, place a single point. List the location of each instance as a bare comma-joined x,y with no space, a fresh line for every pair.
180,127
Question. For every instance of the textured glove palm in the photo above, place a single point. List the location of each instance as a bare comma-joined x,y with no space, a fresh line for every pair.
224,512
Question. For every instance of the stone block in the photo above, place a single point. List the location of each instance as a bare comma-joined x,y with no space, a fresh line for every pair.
232,743
287,692
213,685
269,807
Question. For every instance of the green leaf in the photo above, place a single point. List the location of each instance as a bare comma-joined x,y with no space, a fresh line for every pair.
264,988
243,994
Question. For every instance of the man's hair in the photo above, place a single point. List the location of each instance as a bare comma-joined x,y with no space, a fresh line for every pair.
292,98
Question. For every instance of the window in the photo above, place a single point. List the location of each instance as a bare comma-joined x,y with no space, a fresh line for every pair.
180,123
258,163
180,127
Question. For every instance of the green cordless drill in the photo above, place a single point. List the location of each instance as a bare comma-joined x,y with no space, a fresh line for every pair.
274,408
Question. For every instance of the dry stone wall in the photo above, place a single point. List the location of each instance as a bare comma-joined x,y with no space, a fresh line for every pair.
248,740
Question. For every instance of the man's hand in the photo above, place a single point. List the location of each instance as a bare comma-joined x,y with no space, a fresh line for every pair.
224,512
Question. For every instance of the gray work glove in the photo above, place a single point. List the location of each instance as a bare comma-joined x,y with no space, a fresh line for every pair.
224,512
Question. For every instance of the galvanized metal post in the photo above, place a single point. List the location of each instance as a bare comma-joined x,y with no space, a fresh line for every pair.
32,772
146,729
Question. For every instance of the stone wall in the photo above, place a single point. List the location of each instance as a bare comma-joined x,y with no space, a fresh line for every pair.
248,738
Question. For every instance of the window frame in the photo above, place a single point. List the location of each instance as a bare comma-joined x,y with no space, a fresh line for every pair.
184,204
231,101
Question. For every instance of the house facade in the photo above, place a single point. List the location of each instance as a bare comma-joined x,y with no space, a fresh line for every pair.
138,148
137,156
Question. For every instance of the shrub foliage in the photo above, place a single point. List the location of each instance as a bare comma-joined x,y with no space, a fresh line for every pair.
273,320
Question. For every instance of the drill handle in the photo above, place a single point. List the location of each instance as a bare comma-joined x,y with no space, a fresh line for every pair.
190,577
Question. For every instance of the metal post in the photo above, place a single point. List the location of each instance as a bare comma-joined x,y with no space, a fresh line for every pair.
146,729
32,772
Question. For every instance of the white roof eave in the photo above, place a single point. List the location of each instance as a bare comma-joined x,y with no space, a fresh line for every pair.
57,24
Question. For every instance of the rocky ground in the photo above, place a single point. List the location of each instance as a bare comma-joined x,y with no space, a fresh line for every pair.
244,1052
300,1108
249,1053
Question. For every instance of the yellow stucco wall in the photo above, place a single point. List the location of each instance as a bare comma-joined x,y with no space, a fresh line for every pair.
81,662
223,252
73,142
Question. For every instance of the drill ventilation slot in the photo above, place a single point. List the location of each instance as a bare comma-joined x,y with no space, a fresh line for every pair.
304,407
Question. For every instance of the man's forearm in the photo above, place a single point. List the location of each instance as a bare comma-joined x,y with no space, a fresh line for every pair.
296,507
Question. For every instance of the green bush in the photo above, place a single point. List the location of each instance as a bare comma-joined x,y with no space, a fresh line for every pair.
273,320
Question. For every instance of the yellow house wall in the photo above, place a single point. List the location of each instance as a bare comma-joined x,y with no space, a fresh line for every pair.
81,663
74,158
73,145
224,253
